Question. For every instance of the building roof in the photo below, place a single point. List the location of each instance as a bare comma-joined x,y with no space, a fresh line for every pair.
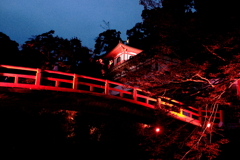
120,48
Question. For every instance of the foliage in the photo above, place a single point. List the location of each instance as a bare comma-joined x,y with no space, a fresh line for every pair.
106,41
178,140
140,36
45,50
9,50
193,58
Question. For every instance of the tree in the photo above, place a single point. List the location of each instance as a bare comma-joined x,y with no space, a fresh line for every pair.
191,47
9,50
175,138
144,35
191,42
140,36
198,60
106,41
45,50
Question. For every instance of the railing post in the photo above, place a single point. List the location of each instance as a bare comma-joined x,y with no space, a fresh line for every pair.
190,115
57,83
181,111
75,81
134,94
159,102
38,77
91,88
16,79
147,100
106,90
200,116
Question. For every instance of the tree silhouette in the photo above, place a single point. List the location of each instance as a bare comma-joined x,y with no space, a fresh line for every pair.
197,62
45,50
9,50
140,36
106,41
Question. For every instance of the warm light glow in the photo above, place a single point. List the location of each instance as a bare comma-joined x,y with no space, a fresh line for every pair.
157,129
177,114
209,125
145,125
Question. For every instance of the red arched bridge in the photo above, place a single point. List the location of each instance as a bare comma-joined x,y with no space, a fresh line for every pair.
37,79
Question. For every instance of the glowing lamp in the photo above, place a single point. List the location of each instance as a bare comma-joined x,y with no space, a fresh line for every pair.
208,125
157,129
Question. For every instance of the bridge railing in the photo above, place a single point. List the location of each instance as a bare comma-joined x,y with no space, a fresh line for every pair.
23,77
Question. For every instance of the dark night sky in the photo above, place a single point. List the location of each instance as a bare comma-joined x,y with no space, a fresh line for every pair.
21,19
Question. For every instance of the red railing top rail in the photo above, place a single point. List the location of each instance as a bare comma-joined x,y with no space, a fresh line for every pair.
17,67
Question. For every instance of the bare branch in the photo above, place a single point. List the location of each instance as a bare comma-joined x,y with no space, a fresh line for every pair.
205,79
214,53
213,114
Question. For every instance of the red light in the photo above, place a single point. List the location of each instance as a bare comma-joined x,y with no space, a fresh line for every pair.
157,129
209,125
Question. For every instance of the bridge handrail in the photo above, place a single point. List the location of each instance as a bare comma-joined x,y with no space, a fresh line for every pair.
18,75
18,67
74,81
